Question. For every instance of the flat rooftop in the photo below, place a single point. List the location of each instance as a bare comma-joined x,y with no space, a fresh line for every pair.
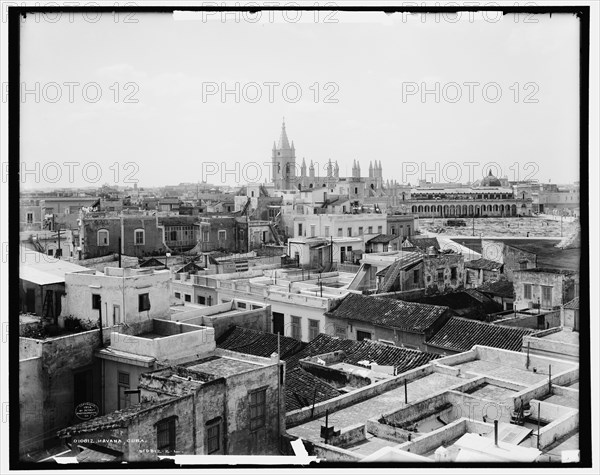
563,336
378,405
222,366
509,373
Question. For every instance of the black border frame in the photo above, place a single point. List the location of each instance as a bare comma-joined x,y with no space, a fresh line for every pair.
14,14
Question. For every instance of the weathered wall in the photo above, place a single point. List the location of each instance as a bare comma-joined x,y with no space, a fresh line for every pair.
562,288
443,262
510,257
79,296
60,359
111,394
31,405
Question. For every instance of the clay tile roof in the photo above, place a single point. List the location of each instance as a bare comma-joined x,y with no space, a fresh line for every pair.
382,239
409,316
501,288
257,343
303,388
573,304
113,420
402,359
484,264
323,343
461,334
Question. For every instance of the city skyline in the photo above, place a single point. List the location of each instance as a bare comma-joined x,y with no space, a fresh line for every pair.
363,85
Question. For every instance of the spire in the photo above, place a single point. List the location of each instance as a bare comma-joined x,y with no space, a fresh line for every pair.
284,143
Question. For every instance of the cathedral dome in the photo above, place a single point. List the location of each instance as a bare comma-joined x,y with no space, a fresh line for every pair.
490,180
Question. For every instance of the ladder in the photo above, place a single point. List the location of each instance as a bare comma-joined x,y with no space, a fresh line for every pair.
48,305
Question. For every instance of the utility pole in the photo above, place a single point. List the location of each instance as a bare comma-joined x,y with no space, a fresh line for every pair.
59,251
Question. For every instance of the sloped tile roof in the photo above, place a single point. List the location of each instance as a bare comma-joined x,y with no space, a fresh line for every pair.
382,239
387,312
303,388
573,304
402,359
461,334
257,343
502,288
485,264
116,419
323,343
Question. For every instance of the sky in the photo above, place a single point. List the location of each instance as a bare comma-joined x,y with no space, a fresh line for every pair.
160,100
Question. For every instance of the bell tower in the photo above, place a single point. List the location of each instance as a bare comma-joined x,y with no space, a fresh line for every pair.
284,162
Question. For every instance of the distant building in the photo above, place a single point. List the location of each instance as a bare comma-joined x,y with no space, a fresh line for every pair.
490,198
119,295
387,320
570,315
544,288
509,256
43,282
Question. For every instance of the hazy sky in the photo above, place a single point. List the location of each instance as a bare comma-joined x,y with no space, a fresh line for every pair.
162,119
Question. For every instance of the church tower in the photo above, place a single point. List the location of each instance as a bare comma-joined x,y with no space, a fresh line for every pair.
283,162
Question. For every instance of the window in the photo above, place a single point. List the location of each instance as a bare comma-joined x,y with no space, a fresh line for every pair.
326,231
356,190
205,236
187,297
103,237
416,276
339,233
165,435
29,218
96,299
349,232
241,305
258,402
453,273
370,229
340,331
408,230
361,335
379,229
393,229
313,329
222,235
360,230
527,291
440,275
546,296
122,385
313,230
296,328
300,229
522,265
143,302
200,299
213,436
140,237
177,295
51,252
